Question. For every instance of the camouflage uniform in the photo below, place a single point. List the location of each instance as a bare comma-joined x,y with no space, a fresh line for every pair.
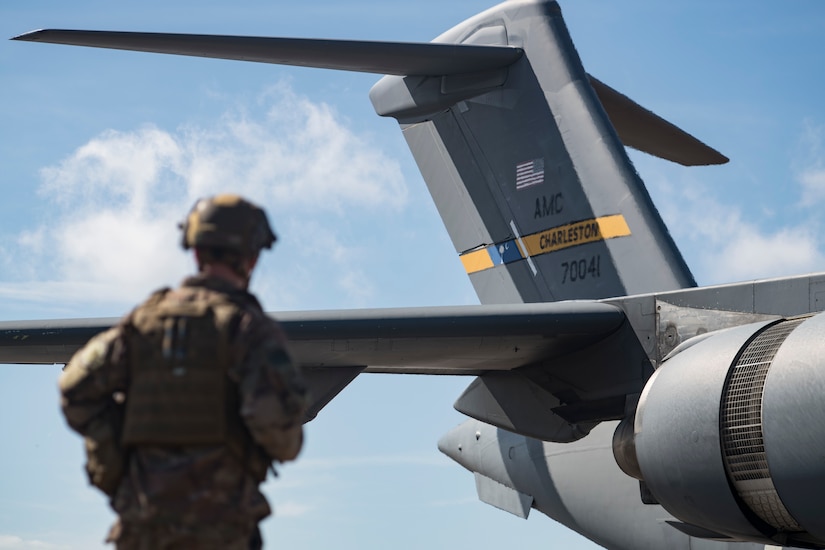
183,469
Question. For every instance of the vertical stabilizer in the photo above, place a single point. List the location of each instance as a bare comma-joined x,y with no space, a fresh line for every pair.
533,184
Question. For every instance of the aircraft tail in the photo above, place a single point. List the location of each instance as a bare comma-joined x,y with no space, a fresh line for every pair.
522,151
529,173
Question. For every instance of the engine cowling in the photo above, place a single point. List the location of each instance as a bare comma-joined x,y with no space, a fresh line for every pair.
729,433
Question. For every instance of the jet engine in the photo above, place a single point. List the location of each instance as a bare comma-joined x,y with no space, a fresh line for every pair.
729,433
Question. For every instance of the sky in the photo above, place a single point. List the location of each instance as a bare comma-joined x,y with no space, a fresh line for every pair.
102,152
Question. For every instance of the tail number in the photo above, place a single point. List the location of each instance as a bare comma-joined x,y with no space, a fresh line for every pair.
582,269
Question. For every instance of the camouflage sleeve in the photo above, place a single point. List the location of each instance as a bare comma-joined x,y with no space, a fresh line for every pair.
89,382
273,394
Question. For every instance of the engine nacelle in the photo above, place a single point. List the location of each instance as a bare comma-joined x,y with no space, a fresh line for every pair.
729,432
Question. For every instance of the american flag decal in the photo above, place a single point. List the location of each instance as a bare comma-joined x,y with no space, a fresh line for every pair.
529,173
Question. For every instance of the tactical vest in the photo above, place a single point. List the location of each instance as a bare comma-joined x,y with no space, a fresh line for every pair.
179,392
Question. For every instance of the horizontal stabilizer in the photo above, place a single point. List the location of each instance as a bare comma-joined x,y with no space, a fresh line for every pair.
637,127
644,130
398,58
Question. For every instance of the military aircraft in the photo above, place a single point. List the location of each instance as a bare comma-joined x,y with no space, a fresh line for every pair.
609,392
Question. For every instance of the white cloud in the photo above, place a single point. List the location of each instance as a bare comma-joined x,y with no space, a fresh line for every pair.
734,249
114,203
725,246
750,253
32,240
123,167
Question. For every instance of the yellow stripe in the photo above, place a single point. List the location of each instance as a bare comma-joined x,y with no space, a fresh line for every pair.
554,239
574,234
478,260
613,226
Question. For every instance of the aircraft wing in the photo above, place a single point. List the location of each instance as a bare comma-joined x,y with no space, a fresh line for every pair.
433,340
335,346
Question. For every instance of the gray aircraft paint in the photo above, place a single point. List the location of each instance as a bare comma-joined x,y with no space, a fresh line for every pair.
499,101
549,474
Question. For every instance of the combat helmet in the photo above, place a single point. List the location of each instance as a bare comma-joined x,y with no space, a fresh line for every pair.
227,223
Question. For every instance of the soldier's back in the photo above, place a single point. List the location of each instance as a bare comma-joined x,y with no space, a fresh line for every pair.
193,469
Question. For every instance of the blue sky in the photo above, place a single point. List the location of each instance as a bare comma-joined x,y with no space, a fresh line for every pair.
102,152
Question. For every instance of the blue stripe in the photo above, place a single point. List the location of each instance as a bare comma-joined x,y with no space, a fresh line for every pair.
504,253
509,251
492,250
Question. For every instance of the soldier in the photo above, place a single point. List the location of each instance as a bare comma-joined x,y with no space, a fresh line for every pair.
185,404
